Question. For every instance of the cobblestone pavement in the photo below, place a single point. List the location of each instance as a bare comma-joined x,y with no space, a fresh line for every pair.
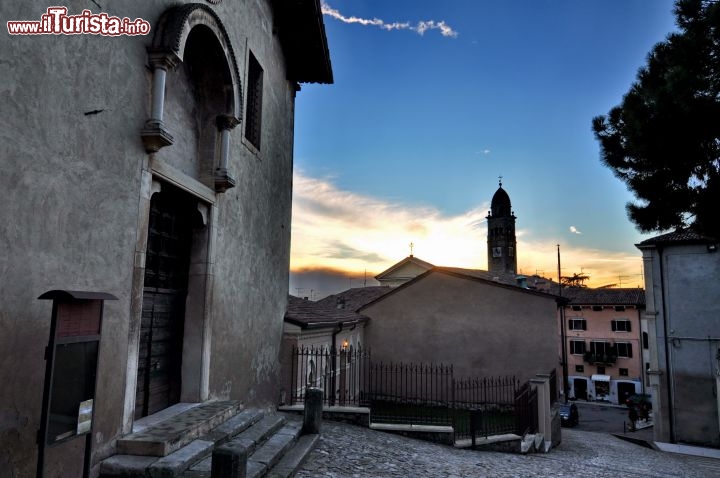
352,451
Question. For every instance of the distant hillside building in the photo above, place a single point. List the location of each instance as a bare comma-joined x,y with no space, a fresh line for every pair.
501,241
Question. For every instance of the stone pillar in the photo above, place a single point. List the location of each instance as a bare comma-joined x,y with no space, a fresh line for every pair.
312,419
544,411
223,179
154,134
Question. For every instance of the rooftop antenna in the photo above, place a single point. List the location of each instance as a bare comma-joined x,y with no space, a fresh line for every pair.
411,249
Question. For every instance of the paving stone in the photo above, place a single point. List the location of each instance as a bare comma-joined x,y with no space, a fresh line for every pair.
345,450
294,458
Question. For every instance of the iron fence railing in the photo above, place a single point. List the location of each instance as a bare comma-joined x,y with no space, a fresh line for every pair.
411,393
341,374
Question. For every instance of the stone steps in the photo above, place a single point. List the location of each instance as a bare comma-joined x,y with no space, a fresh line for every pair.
271,444
172,434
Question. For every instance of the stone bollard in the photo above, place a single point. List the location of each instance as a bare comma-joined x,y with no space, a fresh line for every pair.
313,411
229,461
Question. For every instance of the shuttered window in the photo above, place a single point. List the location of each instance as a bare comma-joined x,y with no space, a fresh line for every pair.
253,115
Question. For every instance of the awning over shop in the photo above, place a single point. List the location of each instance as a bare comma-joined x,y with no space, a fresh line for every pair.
600,378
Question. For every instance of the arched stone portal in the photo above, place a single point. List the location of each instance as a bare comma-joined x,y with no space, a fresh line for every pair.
196,102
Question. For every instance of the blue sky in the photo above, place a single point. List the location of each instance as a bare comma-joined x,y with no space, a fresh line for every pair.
407,145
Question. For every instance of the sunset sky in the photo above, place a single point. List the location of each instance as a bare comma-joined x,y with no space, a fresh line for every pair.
432,102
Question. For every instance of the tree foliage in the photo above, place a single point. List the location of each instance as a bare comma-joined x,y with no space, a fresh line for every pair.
663,140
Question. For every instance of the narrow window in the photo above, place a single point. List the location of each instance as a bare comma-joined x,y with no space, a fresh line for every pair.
577,347
645,340
253,116
624,349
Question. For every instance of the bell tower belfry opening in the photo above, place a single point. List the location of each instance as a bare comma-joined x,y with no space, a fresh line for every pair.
501,241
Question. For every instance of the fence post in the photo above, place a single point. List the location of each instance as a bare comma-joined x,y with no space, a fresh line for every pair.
544,415
312,418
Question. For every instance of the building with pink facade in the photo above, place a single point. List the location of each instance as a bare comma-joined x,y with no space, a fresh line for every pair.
604,343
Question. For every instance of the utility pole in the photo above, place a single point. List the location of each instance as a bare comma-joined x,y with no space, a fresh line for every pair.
566,387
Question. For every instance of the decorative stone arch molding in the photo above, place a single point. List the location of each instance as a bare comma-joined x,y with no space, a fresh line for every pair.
165,53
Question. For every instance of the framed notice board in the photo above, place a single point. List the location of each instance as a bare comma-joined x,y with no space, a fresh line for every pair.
71,369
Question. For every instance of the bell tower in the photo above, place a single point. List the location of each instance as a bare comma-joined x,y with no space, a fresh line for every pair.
501,242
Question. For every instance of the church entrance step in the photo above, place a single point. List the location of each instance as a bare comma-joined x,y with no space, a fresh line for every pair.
174,433
272,445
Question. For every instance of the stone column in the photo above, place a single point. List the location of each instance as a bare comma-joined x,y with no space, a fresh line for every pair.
223,179
154,134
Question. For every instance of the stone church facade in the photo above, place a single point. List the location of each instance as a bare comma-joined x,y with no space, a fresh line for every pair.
156,168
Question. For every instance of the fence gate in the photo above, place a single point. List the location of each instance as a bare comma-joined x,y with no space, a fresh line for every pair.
526,410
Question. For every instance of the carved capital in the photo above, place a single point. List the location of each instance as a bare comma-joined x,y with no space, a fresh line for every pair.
162,58
226,122
223,180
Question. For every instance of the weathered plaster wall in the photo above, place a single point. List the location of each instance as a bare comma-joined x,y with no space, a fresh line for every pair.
71,185
482,329
692,308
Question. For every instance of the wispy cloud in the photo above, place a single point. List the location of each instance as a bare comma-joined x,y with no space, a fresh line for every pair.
574,230
344,231
419,28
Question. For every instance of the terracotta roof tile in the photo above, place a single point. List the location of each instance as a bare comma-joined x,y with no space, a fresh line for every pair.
619,296
309,314
354,298
679,236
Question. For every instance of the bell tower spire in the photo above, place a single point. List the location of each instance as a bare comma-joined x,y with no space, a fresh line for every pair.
501,240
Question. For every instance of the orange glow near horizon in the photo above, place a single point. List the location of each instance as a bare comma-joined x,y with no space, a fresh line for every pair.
352,234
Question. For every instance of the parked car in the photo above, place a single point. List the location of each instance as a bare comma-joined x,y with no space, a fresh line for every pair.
639,399
569,415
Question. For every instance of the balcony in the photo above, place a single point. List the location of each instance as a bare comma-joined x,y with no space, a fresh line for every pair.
599,359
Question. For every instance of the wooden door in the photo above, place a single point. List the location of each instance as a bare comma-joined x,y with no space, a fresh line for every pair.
163,309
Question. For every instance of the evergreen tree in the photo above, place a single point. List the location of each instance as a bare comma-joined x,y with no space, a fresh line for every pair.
663,140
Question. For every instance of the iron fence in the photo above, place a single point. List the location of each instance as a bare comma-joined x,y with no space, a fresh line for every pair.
341,374
525,410
484,406
411,393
